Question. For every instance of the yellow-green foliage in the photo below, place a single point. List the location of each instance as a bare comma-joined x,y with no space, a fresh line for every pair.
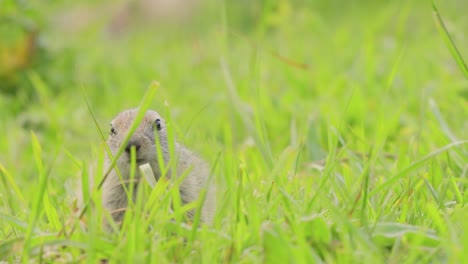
336,131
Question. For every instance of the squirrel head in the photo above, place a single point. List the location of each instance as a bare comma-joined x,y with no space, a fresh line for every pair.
143,140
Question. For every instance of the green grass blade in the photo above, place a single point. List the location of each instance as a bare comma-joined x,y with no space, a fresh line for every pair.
143,107
43,177
449,41
10,184
416,165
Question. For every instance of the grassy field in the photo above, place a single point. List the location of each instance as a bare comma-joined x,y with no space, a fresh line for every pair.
337,132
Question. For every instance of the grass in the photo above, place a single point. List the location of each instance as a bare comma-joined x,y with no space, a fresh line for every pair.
334,136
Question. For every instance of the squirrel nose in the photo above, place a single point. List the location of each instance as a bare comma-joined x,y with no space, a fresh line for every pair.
130,144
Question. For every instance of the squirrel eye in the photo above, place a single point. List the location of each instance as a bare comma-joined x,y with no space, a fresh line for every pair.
112,131
157,124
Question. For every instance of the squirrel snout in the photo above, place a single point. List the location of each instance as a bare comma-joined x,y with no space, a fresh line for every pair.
132,143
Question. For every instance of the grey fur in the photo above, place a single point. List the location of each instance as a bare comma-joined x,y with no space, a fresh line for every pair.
114,197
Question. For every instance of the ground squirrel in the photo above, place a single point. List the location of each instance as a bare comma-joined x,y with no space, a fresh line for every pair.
143,142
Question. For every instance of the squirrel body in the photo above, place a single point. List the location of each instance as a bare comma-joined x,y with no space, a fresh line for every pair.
143,142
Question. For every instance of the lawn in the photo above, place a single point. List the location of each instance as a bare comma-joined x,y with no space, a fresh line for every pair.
334,129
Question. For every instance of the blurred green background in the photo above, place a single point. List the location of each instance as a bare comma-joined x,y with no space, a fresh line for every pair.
259,81
319,63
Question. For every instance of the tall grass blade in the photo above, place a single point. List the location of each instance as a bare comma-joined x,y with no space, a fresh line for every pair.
10,184
143,107
416,165
37,209
449,41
